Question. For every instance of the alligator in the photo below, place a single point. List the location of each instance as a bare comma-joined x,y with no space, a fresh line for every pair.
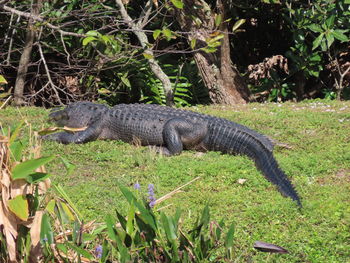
170,130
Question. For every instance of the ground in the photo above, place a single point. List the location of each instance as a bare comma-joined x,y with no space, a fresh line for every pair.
316,157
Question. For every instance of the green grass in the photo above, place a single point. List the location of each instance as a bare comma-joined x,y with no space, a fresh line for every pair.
318,163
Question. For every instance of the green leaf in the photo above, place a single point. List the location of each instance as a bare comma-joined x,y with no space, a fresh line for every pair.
171,234
218,230
50,207
67,211
121,219
22,170
215,39
92,33
178,3
130,220
324,46
111,228
69,166
315,28
62,247
106,39
37,177
238,24
16,131
205,216
316,43
19,206
167,33
125,80
229,237
16,149
314,73
87,40
229,241
46,234
339,34
218,19
2,80
146,228
168,227
156,33
144,213
209,49
64,195
124,255
330,21
147,56
64,219
330,39
80,251
193,43
315,58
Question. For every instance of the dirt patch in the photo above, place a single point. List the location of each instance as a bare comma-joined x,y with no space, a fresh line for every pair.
340,177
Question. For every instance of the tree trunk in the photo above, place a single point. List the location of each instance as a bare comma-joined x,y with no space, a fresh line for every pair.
25,57
223,81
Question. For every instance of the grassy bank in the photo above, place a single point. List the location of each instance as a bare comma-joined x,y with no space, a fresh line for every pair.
317,159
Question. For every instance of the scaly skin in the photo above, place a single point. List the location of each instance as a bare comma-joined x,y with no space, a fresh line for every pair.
171,130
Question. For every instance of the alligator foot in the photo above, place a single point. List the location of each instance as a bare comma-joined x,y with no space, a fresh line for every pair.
159,150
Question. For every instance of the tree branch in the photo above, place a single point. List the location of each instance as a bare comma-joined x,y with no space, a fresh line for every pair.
39,19
53,86
142,37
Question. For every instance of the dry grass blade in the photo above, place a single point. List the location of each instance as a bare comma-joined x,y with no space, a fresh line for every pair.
175,191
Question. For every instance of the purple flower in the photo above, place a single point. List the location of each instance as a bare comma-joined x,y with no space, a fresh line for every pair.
152,203
151,196
98,251
137,186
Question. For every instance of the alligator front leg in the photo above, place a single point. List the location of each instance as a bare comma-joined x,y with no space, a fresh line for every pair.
179,134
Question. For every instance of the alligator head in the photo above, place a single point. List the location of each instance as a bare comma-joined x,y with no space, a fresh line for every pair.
77,115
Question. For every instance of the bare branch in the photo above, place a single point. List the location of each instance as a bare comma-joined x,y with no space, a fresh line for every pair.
53,86
40,19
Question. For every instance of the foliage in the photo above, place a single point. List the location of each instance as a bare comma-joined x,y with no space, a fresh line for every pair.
153,92
25,205
298,31
46,227
319,31
157,237
98,56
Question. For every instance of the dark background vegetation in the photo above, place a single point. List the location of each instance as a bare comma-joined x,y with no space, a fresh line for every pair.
285,50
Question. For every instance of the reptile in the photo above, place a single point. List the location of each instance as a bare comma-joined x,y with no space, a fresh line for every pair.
170,130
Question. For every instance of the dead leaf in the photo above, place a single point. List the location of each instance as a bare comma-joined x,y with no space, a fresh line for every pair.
35,250
9,223
48,131
241,181
55,129
271,248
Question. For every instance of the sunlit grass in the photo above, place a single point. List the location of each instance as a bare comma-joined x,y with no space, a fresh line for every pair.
317,160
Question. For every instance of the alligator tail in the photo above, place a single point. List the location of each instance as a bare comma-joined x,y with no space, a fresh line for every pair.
268,165
234,140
